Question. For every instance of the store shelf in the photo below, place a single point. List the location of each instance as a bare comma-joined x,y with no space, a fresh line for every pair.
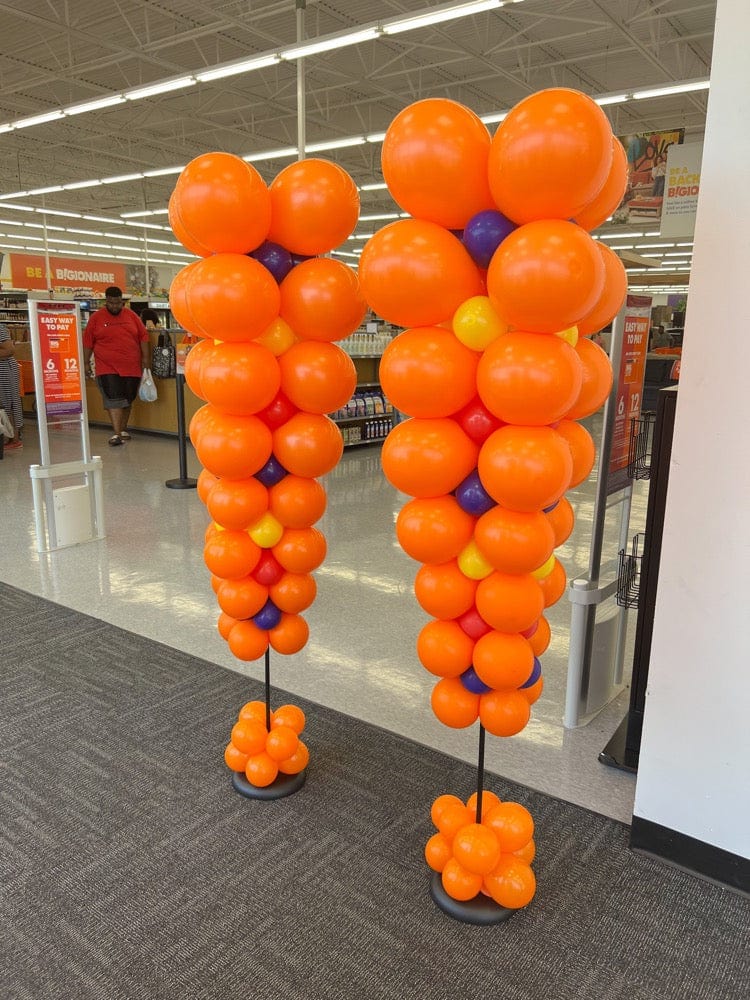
629,573
639,447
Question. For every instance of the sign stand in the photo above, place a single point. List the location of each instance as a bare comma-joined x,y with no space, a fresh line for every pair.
69,514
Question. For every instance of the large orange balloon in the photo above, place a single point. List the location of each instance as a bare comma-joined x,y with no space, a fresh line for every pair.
550,157
509,602
206,482
224,203
514,542
612,295
434,530
317,377
314,206
597,380
298,503
427,458
553,585
294,592
561,519
434,161
503,661
582,450
232,447
529,378
443,591
247,641
181,232
512,884
239,378
308,445
540,640
237,503
193,365
416,273
300,550
241,598
231,296
178,302
290,635
427,372
444,648
504,713
231,555
453,704
525,468
606,201
321,300
545,276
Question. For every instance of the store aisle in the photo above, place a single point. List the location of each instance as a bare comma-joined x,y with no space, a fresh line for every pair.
148,576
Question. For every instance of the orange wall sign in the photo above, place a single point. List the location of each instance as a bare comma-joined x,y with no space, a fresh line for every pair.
61,364
77,277
629,386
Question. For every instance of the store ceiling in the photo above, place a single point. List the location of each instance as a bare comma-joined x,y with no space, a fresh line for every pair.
56,54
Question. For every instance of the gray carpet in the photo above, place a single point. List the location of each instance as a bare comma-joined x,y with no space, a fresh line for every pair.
132,870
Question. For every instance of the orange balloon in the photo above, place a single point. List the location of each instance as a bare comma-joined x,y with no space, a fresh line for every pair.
512,824
612,296
296,502
281,743
321,300
247,641
545,276
533,694
317,377
177,301
561,519
289,715
476,849
550,156
261,770
489,801
193,365
239,378
453,705
427,372
308,445
525,468
509,602
296,763
553,585
504,713
206,482
198,421
224,203
443,591
181,231
231,296
416,273
249,736
231,555
452,818
232,447
237,503
253,710
459,883
502,660
437,852
441,803
314,206
434,161
301,550
241,598
613,191
597,380
234,758
582,451
434,530
539,641
512,884
290,635
294,592
527,853
225,625
514,542
528,378
428,457
444,648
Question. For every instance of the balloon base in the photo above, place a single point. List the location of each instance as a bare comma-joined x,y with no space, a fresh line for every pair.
481,910
285,784
181,484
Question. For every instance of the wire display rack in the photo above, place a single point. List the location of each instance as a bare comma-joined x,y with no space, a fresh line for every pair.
639,446
629,573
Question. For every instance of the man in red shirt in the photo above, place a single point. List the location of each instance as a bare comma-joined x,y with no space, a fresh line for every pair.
120,344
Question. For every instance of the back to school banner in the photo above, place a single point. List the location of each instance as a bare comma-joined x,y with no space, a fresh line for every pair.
647,174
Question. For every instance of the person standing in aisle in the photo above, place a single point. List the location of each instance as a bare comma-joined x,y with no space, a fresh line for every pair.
119,343
10,387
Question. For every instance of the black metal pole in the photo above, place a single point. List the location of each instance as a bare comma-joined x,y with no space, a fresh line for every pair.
480,772
183,483
268,689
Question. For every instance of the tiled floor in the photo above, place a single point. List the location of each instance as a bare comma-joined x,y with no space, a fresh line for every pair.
148,576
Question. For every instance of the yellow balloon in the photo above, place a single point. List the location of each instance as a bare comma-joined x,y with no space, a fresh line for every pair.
476,324
267,531
570,336
472,563
278,337
545,569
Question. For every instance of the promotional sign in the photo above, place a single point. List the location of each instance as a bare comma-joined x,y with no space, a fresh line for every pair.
60,361
629,386
682,187
69,275
647,170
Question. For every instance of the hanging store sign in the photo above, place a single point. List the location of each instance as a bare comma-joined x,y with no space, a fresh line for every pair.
82,278
682,188
629,387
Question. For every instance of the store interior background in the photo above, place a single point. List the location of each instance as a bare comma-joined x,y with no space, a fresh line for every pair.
88,164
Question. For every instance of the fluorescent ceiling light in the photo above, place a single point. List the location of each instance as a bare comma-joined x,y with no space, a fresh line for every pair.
271,154
13,194
163,87
164,172
327,44
493,119
374,218
20,208
150,211
376,137
47,190
373,187
439,15
677,88
611,99
49,116
56,211
232,69
122,178
81,184
96,105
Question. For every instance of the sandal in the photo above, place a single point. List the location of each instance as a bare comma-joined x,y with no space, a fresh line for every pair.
124,435
114,440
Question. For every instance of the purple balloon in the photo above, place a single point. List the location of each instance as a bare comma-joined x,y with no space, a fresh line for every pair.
271,473
471,682
536,673
483,234
473,497
274,258
268,617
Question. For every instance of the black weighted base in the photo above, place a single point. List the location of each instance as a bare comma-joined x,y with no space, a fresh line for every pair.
285,784
181,484
480,910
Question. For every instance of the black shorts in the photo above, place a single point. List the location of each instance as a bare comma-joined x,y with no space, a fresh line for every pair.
118,391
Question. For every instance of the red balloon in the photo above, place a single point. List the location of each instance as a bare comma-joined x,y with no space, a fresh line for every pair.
476,421
321,300
473,624
239,378
231,296
427,372
427,458
280,410
308,445
612,296
415,273
317,377
607,200
315,207
597,380
269,570
525,468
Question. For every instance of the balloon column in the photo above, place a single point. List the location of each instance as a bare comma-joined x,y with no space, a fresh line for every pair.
269,310
497,281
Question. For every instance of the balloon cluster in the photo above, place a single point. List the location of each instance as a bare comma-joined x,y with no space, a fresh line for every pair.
491,854
263,754
498,282
269,310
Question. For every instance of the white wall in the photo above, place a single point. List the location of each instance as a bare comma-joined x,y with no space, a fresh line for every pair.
694,770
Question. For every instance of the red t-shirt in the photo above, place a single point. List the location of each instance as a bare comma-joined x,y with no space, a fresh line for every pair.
115,341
